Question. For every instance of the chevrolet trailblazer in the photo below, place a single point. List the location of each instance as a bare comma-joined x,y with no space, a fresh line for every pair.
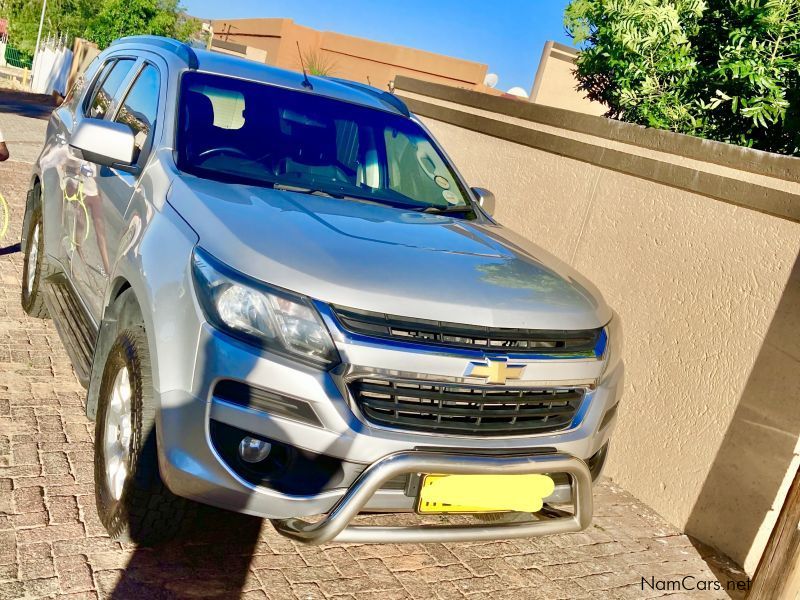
284,300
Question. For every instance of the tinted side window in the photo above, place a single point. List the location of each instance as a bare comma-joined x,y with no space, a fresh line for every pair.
101,75
109,88
84,76
140,108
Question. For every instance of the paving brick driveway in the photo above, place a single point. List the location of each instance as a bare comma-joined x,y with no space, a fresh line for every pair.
52,544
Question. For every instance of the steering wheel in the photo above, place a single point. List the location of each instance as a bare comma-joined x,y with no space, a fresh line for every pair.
206,154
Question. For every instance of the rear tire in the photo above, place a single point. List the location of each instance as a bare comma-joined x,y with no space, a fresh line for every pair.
32,269
132,500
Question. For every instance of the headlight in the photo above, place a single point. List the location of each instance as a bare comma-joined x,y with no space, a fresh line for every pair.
613,352
260,314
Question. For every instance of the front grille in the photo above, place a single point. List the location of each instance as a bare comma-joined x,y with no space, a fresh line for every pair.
465,410
578,343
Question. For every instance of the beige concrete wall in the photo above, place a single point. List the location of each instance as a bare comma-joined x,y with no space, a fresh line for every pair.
240,50
709,294
83,53
555,83
350,57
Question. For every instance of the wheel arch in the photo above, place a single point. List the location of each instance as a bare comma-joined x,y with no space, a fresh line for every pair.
32,200
116,289
123,309
149,285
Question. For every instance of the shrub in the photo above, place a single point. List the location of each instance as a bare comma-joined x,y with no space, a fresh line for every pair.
727,70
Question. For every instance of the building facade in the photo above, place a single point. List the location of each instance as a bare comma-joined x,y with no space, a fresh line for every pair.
556,85
275,42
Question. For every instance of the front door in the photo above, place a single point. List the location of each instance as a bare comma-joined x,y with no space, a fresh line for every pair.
62,170
114,188
70,182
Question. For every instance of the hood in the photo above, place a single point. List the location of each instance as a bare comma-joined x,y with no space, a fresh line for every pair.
373,257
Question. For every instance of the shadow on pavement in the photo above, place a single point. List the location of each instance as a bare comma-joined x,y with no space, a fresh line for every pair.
211,559
25,104
734,581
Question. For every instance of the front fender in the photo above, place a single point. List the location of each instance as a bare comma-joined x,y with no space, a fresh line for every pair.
156,269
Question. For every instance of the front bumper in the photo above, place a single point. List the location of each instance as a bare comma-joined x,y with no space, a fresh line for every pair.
336,525
192,467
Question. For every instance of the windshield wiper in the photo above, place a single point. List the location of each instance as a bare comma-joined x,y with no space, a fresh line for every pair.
341,196
286,187
303,190
447,209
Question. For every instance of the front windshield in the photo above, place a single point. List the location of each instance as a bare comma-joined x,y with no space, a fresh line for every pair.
242,131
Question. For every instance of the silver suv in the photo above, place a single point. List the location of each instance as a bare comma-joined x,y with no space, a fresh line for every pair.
285,301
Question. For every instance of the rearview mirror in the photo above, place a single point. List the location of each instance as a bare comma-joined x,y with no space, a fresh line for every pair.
485,199
105,143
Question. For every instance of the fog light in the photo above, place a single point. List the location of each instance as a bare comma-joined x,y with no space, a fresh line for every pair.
252,450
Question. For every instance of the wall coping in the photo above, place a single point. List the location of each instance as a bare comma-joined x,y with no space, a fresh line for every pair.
758,162
775,202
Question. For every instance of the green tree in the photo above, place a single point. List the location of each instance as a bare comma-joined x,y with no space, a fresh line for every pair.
637,58
118,18
751,49
101,21
723,69
66,17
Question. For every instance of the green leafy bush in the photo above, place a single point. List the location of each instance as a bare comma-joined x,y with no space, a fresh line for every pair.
101,21
118,18
727,70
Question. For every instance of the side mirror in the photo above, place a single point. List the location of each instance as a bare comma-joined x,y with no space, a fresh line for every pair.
485,199
105,143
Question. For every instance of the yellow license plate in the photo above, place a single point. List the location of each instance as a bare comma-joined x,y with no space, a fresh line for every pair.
483,493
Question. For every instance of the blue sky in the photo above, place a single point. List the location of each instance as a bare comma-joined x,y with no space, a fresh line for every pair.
508,36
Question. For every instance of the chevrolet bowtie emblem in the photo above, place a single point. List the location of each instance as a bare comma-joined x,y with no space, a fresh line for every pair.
495,370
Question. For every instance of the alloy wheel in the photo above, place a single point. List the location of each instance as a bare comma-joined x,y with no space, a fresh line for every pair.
33,256
117,434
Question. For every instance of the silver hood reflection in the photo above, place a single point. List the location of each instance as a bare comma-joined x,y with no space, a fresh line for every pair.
378,258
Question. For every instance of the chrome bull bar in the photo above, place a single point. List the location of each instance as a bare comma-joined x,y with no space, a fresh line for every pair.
336,524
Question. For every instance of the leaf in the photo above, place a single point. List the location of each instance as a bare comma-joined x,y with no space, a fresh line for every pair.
674,63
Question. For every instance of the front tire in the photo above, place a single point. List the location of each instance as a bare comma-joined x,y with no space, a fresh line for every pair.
132,500
32,269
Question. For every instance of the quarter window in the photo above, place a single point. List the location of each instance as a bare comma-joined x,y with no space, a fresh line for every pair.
102,73
139,109
111,82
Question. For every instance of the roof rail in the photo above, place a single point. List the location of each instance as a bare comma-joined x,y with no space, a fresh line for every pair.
384,97
183,50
